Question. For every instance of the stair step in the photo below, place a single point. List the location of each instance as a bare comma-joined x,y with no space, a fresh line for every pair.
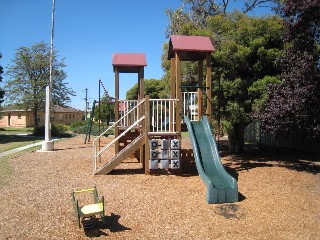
122,155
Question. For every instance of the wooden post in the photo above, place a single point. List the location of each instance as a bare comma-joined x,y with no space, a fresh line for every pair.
140,109
173,78
178,93
208,87
146,131
116,116
172,91
200,94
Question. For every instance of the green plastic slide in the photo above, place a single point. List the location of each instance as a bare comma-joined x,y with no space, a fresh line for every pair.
221,187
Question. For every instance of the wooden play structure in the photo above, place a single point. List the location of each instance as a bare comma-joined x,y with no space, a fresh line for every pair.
151,128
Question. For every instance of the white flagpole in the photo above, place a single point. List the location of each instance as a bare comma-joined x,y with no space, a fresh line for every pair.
47,145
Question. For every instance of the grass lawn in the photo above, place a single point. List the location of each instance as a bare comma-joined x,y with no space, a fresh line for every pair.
6,170
13,131
8,142
10,138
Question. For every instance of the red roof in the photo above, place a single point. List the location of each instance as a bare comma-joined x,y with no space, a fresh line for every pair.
190,47
128,62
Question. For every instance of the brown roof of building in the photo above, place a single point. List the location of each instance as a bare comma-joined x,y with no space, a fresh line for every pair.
128,62
191,48
66,109
55,108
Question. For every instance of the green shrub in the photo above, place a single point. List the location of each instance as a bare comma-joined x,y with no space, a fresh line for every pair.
80,127
57,130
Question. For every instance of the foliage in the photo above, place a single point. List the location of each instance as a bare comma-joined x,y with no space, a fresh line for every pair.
29,77
80,127
106,109
152,87
1,90
244,65
294,105
57,130
194,14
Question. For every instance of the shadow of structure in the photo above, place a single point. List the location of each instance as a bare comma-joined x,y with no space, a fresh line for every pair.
258,155
110,222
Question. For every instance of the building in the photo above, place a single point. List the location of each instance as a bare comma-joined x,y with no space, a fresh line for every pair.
24,118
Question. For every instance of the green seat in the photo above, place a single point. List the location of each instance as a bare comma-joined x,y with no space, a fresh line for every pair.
88,210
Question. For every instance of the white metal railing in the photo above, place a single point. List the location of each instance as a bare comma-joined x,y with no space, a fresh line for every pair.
162,115
97,153
190,105
115,140
125,106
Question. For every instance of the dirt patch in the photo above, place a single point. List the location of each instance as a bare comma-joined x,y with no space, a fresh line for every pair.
277,201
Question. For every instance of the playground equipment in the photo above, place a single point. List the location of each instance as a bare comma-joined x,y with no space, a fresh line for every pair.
151,128
91,117
96,207
221,187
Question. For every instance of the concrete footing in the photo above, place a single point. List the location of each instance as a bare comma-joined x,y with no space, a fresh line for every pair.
47,145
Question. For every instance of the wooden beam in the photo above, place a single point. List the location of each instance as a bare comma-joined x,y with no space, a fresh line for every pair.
200,94
178,92
146,130
208,87
116,106
173,78
172,86
141,96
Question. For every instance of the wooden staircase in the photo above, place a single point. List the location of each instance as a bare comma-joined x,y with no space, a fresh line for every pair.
122,155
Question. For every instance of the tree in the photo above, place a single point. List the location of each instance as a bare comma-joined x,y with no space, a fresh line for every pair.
1,90
245,64
29,76
106,109
196,12
152,87
293,106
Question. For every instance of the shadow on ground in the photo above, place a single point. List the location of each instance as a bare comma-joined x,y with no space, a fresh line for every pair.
110,222
258,155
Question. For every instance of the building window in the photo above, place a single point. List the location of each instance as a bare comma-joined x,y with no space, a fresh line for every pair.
19,115
60,116
73,116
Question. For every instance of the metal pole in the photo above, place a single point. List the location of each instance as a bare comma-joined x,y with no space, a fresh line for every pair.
48,145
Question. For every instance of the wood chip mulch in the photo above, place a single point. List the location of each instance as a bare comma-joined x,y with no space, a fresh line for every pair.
277,200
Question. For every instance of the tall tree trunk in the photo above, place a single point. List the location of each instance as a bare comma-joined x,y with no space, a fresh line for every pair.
236,138
35,119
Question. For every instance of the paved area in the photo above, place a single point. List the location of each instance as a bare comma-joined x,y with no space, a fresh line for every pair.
6,153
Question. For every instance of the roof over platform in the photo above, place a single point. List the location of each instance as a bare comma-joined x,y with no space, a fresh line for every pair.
128,62
191,48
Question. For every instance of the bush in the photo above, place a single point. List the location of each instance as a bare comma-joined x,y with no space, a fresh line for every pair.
57,130
81,128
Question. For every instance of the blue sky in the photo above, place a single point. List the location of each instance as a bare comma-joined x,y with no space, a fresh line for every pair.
87,33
